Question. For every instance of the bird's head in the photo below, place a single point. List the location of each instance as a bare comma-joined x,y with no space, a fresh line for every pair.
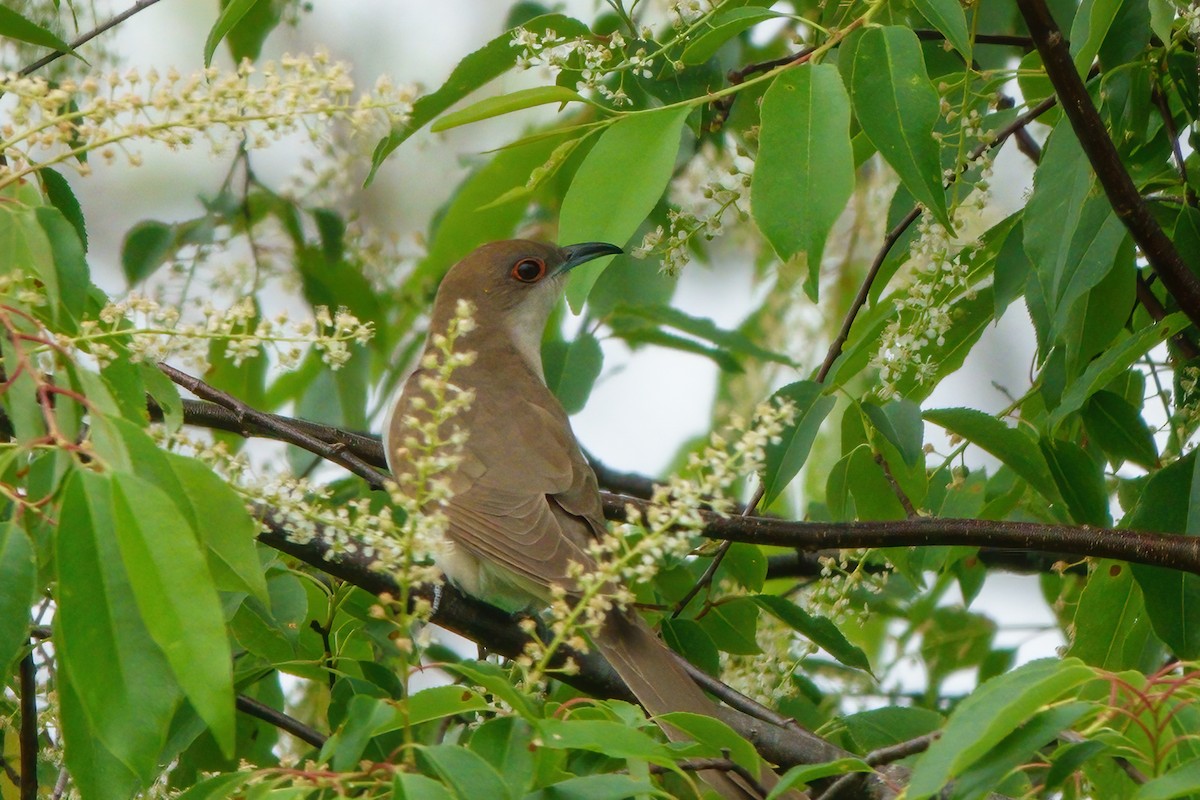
513,286
512,276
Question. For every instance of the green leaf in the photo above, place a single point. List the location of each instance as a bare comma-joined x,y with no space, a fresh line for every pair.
70,265
732,624
989,714
118,674
1119,430
801,775
1181,781
948,17
1088,29
226,529
245,39
1080,481
506,104
466,773
897,107
231,13
597,787
437,702
175,594
787,456
819,630
488,62
507,744
1111,626
613,739
735,342
60,195
804,162
95,769
1010,445
900,423
572,368
218,787
883,727
18,576
497,682
716,735
409,786
1114,361
366,717
720,29
146,247
15,26
1018,749
472,217
616,187
1172,597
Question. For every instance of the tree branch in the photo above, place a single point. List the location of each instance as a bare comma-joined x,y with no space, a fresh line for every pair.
1122,193
1153,549
243,414
140,5
786,745
273,716
29,731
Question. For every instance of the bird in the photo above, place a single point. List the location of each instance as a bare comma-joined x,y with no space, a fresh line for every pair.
523,501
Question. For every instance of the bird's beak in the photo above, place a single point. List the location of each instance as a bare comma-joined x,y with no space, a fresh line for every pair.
576,254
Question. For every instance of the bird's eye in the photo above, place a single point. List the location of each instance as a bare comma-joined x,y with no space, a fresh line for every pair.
529,270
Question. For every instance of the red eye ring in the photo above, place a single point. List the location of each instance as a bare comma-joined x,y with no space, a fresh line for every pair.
529,270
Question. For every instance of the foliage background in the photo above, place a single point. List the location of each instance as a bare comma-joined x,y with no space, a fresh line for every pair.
117,645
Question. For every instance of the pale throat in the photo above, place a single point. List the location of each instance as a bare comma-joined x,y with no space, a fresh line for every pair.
525,323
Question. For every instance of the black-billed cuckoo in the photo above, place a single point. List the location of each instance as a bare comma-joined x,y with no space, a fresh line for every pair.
525,503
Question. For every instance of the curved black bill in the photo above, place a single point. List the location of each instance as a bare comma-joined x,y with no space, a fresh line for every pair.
576,254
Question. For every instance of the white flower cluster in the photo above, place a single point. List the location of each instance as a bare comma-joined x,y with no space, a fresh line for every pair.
595,59
685,12
938,272
646,542
673,517
142,329
432,446
712,184
50,123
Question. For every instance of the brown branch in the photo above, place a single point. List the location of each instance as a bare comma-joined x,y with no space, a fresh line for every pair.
500,633
244,415
140,5
846,784
1128,204
893,236
1149,301
288,724
29,731
1155,549
1152,549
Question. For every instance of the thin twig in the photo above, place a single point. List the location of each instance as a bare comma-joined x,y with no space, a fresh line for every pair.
897,489
842,787
893,236
29,729
1150,302
140,5
273,716
336,453
1128,204
707,578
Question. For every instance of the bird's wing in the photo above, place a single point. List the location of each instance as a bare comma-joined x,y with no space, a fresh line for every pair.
526,501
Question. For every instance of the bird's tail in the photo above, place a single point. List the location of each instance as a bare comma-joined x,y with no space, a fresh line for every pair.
661,685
